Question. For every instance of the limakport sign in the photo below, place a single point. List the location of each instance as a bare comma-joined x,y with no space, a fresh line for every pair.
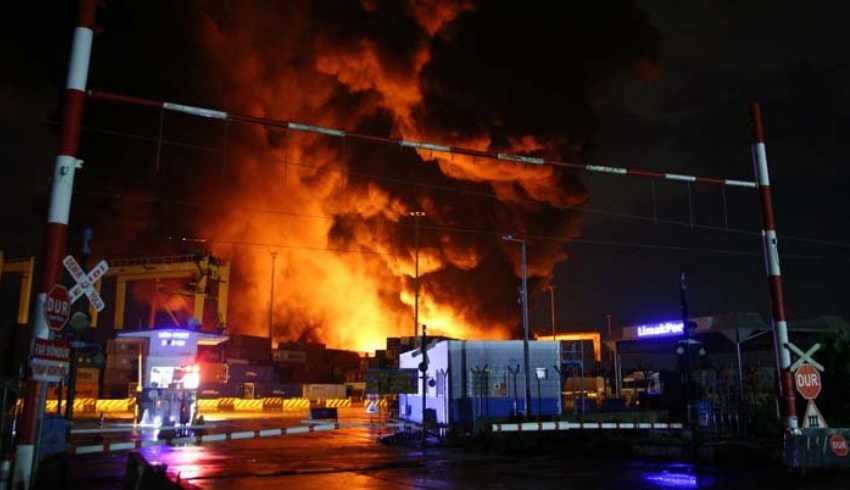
661,329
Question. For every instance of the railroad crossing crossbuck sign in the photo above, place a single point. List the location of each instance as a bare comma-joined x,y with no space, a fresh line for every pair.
85,282
805,357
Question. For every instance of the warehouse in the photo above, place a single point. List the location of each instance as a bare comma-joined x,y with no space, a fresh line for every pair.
468,380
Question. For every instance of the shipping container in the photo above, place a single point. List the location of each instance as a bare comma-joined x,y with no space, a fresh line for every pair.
87,382
209,353
125,347
87,375
116,390
217,390
255,349
475,379
324,391
122,362
115,376
355,390
214,372
288,390
86,390
241,373
275,389
290,356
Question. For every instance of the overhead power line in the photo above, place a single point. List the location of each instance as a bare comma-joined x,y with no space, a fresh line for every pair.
566,240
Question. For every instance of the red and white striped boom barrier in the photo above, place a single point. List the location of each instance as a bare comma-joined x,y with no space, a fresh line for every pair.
563,425
56,231
774,273
420,145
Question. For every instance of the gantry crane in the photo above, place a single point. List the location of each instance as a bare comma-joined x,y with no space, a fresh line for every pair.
199,269
25,267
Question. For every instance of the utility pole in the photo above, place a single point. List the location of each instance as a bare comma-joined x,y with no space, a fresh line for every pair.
613,363
56,232
524,300
552,310
423,368
683,292
271,304
416,215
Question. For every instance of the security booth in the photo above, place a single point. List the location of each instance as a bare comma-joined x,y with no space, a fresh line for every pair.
170,374
470,380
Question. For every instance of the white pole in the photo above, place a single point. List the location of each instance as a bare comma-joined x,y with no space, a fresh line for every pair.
774,274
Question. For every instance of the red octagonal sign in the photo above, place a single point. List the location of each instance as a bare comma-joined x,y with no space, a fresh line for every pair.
57,308
838,444
808,381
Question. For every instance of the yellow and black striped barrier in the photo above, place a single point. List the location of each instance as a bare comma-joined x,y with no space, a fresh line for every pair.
206,405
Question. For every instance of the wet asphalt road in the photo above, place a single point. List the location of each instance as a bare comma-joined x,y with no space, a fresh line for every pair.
351,458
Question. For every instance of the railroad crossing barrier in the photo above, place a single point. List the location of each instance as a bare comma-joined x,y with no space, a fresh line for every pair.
208,405
271,404
241,405
338,402
295,404
563,425
116,446
92,405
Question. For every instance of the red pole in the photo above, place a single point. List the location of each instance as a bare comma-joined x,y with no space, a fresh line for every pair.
774,274
56,232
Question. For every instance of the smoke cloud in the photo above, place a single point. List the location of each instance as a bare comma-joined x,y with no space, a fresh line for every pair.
489,75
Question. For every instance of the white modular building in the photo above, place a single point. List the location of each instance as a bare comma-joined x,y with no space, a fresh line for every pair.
468,380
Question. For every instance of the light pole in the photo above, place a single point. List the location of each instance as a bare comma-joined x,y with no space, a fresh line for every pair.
423,368
271,303
552,310
416,215
524,299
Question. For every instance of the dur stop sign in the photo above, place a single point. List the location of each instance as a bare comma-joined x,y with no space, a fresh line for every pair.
808,381
838,445
57,308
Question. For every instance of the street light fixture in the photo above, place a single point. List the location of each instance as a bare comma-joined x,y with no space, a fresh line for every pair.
524,299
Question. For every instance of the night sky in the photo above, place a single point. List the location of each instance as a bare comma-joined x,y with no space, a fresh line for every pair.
665,86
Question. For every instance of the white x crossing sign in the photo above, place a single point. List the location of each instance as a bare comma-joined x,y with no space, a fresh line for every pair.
805,357
85,282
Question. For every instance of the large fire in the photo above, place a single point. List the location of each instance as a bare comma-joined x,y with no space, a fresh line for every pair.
337,213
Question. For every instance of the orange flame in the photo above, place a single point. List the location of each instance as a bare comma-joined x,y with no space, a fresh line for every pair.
345,253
